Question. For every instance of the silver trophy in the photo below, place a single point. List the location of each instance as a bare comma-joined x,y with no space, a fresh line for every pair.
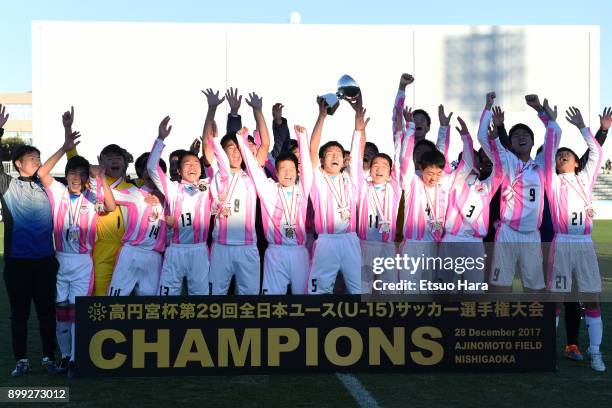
332,102
348,88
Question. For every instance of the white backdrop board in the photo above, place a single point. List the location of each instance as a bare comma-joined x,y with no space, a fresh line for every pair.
123,78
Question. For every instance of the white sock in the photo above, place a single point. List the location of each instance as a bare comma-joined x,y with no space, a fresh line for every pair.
73,347
595,328
62,332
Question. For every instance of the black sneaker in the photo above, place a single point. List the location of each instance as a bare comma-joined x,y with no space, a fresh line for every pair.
63,366
71,370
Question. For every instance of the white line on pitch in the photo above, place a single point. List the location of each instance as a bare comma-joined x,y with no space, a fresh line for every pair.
358,391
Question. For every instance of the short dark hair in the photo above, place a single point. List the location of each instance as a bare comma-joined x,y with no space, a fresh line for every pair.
433,158
178,153
230,137
293,144
428,143
381,156
187,154
21,151
567,149
118,150
370,145
285,156
422,112
520,126
327,145
77,162
141,164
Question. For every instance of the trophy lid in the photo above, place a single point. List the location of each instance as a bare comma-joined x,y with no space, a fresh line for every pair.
347,87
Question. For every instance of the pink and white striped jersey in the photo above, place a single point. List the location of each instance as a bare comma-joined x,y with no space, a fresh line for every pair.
145,223
570,194
235,192
333,195
185,202
74,220
283,208
522,187
378,204
468,210
425,207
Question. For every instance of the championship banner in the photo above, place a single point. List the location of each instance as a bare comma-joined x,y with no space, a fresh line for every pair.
215,335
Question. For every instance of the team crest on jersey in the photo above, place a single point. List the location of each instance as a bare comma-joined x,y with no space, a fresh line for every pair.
84,209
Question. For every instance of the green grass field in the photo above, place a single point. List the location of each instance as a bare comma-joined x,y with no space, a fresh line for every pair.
573,385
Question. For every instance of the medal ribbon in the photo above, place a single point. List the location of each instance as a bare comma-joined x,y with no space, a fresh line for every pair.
381,209
582,194
72,215
232,187
338,197
288,210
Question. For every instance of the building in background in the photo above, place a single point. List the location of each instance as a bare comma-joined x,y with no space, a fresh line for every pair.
19,127
19,107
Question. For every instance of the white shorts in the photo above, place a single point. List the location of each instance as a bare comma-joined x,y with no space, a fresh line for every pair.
511,248
573,255
241,261
419,251
284,265
74,277
185,261
468,255
136,268
333,253
375,252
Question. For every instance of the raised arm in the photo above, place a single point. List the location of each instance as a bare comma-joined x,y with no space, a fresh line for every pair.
306,171
605,121
155,172
400,99
256,103
546,114
498,116
315,138
407,169
263,185
443,142
70,142
551,145
210,126
593,164
67,121
505,159
467,163
3,119
356,164
280,131
96,174
234,121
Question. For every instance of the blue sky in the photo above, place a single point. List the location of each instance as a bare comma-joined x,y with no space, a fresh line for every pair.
16,17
